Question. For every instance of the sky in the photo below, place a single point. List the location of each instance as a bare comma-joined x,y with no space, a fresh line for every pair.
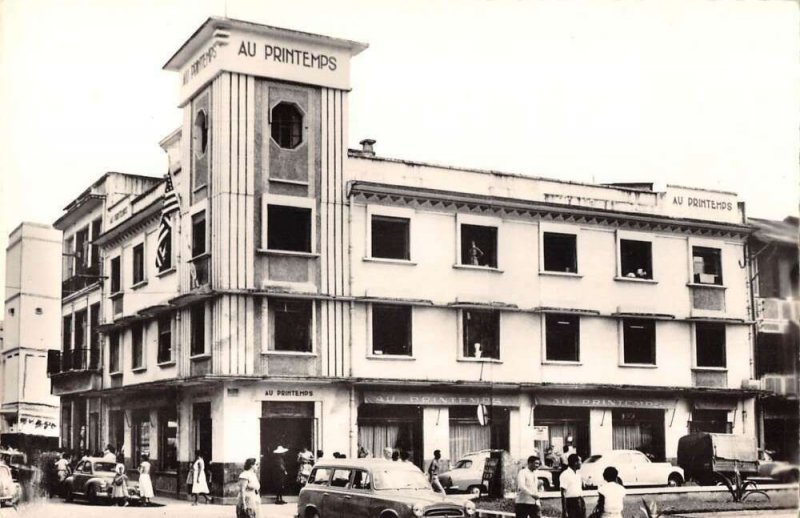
697,93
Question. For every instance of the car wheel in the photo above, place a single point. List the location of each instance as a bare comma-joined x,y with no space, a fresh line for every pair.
312,514
91,495
675,480
474,491
68,495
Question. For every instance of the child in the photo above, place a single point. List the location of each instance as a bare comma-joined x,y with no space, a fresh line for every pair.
119,488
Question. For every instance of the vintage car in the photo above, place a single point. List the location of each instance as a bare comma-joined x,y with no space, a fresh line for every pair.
92,480
10,490
634,467
776,469
374,488
466,476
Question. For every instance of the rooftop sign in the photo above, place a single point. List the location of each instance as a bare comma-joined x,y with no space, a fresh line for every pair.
231,46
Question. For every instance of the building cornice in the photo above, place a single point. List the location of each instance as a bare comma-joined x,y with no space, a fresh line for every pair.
434,199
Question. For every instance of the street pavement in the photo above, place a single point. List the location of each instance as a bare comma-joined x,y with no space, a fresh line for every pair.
57,508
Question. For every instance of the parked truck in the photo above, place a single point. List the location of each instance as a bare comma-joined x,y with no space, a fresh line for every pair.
702,455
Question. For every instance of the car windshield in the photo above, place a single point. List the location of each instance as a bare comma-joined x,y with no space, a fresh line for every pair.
105,466
593,458
464,464
399,479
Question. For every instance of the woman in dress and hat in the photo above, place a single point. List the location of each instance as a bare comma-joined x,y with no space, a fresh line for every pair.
119,486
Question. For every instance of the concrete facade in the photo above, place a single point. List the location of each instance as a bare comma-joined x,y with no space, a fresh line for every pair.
297,264
29,412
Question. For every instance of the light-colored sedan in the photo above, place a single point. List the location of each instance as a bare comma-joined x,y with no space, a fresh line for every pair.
634,468
466,476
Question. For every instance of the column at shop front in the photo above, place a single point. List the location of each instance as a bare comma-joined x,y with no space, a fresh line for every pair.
436,433
601,437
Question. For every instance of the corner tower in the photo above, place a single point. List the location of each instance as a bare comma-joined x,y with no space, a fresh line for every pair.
263,213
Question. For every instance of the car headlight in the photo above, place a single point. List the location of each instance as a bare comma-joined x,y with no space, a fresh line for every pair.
417,510
469,507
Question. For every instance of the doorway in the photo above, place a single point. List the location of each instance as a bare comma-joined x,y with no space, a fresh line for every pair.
290,425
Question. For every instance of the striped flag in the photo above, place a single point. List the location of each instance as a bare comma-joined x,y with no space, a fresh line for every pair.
169,205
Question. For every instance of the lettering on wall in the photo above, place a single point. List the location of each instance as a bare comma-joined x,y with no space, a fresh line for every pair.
200,63
289,393
702,203
289,56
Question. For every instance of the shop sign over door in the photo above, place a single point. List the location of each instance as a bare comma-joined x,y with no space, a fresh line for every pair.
423,398
604,401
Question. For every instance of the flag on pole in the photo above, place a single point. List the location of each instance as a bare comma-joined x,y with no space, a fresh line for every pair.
169,205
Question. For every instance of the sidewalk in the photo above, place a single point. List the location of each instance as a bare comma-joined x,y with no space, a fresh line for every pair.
185,508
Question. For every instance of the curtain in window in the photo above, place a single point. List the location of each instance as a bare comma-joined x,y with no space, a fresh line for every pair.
376,437
467,437
633,436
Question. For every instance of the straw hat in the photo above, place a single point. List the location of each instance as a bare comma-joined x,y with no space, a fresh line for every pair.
280,449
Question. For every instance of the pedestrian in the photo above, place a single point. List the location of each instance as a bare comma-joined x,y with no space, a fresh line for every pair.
110,454
610,496
305,461
387,453
572,504
527,504
362,452
433,471
280,473
189,480
145,484
569,449
249,503
199,481
405,456
119,487
395,455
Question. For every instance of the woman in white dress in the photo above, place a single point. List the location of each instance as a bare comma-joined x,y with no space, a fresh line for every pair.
249,504
611,496
200,485
145,484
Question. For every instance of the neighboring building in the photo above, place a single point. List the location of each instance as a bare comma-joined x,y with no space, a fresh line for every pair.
33,271
774,263
76,369
319,297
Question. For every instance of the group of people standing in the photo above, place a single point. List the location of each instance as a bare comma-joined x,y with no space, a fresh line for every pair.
610,499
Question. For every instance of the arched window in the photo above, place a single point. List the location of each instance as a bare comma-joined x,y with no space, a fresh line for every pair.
287,125
200,136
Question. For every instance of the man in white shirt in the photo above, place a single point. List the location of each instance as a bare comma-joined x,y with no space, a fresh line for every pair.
110,455
527,503
572,505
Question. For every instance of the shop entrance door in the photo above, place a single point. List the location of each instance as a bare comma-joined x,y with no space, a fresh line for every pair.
290,425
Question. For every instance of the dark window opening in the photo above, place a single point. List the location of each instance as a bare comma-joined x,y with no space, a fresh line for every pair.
94,336
116,278
639,341
198,234
66,333
69,258
710,421
80,330
113,352
200,136
203,429
479,245
94,251
710,344
636,258
198,334
82,250
288,228
390,238
164,339
560,252
707,265
287,125
138,263
140,433
292,321
562,338
137,342
481,334
168,438
391,330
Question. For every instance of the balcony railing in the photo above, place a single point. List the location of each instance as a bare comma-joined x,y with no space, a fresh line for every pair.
82,278
73,360
781,384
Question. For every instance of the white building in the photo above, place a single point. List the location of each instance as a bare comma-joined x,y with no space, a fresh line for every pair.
29,412
323,297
